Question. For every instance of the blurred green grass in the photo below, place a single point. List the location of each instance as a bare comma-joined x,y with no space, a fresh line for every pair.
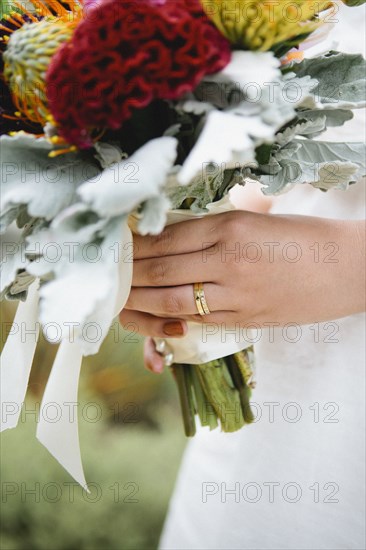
42,508
131,441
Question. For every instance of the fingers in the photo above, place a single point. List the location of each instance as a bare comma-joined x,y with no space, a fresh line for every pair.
175,270
150,325
153,360
178,238
175,301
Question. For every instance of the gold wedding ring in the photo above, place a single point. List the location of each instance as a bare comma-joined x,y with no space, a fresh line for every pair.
200,299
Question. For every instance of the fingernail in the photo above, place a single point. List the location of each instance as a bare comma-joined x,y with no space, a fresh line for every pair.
173,328
156,367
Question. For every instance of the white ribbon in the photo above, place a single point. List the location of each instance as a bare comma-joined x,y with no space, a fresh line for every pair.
57,423
17,357
58,420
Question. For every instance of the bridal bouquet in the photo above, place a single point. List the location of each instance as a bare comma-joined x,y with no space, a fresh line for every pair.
124,116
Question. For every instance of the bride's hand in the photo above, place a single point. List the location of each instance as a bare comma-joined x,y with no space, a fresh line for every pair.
256,268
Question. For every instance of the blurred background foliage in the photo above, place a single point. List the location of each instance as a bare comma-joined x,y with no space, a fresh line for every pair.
131,439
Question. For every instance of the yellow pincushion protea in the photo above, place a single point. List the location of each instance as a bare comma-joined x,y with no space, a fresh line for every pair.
33,39
264,25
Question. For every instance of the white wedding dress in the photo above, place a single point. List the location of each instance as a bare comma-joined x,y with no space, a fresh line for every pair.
296,478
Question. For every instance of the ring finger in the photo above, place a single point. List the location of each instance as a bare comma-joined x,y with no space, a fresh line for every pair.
176,300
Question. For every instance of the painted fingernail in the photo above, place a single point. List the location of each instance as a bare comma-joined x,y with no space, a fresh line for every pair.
173,328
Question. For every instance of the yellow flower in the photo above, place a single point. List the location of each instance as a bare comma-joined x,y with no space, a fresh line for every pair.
32,40
265,24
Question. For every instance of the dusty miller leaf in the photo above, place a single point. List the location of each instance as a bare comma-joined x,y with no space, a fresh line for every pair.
131,182
45,185
321,164
341,77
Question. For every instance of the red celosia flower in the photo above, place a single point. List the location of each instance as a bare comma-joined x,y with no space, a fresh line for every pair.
123,55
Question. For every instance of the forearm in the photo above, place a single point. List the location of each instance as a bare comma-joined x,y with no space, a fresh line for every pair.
328,280
348,294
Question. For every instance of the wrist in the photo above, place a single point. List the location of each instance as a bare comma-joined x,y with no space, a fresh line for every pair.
353,242
343,273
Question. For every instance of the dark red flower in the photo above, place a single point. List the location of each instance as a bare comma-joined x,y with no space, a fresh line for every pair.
125,54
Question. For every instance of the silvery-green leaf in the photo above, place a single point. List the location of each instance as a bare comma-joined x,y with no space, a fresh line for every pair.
173,130
276,103
153,215
46,186
201,190
18,290
33,225
287,151
108,154
195,107
278,154
240,81
124,186
206,187
334,117
243,71
325,176
298,87
21,297
280,99
342,80
77,223
7,217
327,151
336,175
302,128
75,227
215,93
268,101
85,289
225,139
23,217
13,259
321,164
336,164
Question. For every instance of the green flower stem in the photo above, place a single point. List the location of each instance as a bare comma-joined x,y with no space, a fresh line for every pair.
241,386
182,378
220,392
205,410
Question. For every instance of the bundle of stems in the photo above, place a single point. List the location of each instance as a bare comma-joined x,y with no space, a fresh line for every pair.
218,392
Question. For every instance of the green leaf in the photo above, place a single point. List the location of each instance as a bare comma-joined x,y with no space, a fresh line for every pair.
353,3
263,153
334,117
328,151
324,165
341,77
30,177
308,127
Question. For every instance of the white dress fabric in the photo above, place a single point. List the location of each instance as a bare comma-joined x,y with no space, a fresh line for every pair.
296,478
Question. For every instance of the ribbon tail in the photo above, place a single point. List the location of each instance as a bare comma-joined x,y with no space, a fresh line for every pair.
58,421
17,358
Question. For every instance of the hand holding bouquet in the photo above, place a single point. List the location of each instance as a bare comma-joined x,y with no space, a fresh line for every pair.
126,114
